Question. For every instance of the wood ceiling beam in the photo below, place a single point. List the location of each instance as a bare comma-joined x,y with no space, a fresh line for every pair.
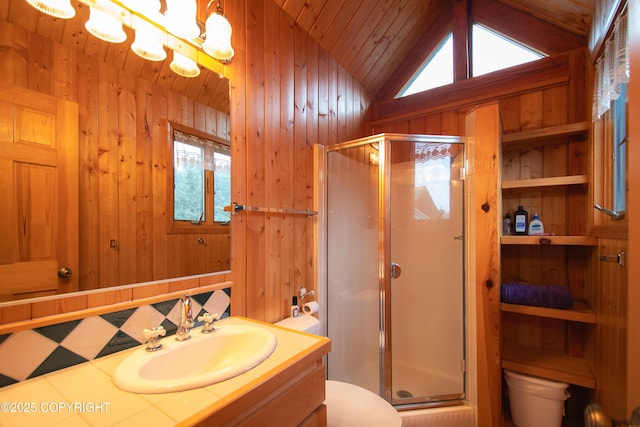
546,72
460,18
442,24
525,28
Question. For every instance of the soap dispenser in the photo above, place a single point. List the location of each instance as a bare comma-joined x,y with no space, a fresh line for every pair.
536,226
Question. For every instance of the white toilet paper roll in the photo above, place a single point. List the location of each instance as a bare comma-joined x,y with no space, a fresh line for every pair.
310,307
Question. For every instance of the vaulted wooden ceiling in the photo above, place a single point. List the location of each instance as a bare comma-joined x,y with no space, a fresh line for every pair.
376,41
371,39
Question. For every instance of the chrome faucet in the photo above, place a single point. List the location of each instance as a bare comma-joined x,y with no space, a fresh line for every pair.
185,323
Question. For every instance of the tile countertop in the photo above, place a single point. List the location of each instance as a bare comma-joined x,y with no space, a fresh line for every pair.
84,395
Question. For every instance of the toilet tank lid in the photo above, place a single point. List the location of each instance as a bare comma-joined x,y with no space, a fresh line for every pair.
304,323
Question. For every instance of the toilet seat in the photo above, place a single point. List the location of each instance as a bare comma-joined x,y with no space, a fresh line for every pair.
349,405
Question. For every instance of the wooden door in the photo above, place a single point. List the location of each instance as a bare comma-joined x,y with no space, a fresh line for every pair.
39,188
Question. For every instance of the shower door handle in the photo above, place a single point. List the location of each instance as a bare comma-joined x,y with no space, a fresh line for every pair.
396,271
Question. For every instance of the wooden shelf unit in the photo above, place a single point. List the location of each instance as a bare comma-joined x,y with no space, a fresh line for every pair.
580,312
542,240
546,182
535,359
552,365
550,132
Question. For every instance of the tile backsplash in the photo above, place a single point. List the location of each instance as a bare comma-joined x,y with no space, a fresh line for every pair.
34,352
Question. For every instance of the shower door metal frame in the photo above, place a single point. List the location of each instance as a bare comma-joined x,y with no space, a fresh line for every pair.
387,264
384,248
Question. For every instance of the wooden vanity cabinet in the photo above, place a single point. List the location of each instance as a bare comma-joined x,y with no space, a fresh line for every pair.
292,395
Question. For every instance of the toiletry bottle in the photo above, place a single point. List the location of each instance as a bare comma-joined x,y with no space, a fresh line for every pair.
295,310
536,226
507,225
521,220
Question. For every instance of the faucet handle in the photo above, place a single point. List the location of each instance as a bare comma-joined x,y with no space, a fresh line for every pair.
153,337
208,320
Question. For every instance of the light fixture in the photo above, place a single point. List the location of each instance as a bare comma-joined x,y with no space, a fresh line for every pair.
217,42
176,28
57,8
184,66
148,42
105,26
181,18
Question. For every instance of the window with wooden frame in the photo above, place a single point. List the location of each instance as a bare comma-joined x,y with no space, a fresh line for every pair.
199,181
610,109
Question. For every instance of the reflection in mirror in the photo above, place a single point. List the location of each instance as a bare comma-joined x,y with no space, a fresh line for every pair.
117,225
199,186
201,180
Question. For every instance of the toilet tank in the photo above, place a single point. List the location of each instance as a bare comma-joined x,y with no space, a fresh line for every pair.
303,323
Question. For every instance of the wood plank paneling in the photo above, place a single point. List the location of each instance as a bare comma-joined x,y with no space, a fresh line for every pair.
293,95
483,125
633,293
609,347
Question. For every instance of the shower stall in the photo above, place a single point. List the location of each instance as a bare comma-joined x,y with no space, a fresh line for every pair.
393,269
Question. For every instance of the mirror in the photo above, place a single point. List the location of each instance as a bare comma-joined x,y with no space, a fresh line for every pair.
124,109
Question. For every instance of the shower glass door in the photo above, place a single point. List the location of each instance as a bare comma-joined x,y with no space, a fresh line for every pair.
425,193
394,266
353,265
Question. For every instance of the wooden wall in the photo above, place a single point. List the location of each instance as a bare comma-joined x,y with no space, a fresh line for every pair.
609,346
287,95
633,292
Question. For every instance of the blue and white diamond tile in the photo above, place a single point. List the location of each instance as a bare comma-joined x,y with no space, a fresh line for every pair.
165,307
145,317
23,352
58,332
120,341
60,358
218,303
90,337
30,353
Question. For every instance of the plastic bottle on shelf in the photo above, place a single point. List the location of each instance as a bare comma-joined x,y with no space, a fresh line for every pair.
536,226
507,225
521,221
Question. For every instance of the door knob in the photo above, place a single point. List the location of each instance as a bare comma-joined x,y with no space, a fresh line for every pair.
64,272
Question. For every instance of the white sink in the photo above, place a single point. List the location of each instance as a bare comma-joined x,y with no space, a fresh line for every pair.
203,360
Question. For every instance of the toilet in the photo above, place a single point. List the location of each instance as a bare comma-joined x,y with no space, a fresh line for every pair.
348,405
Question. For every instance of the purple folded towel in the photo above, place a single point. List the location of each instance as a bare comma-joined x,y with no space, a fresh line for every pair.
536,295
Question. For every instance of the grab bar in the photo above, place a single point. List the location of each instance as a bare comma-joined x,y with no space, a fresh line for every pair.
615,215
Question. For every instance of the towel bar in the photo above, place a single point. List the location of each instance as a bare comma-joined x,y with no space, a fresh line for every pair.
620,258
235,208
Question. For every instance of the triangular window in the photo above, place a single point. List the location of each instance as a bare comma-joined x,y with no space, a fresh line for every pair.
491,52
436,71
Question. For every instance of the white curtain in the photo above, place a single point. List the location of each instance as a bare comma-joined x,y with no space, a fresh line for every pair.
612,68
